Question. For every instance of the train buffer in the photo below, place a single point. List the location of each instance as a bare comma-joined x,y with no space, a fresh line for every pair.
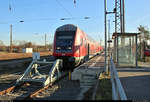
42,72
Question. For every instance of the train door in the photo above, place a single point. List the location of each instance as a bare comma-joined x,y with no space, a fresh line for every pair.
81,48
85,49
88,51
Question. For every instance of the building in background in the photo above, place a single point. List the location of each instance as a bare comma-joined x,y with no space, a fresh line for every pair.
27,50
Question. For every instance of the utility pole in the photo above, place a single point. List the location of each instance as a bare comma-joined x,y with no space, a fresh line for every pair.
108,29
105,24
109,37
45,42
11,38
123,5
10,50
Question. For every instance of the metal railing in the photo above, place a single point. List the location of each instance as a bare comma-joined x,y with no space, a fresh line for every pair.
117,89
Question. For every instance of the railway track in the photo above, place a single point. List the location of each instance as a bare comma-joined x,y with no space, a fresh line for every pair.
25,91
20,60
34,80
30,91
6,80
65,89
62,89
48,56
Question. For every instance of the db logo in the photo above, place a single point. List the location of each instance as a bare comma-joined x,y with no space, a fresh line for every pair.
63,54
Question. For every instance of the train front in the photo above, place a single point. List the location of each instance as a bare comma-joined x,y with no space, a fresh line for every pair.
63,44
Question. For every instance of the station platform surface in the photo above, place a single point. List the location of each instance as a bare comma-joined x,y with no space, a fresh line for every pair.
136,82
92,67
88,74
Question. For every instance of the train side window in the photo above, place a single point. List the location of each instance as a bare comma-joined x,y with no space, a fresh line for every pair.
85,42
81,41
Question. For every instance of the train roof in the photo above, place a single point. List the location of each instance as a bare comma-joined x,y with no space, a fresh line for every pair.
71,27
67,27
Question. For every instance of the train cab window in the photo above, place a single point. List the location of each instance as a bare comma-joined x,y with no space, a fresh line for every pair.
64,41
65,37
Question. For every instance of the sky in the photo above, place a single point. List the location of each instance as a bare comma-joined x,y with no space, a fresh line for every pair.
43,17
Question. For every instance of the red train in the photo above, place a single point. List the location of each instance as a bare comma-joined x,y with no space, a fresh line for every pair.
147,52
73,46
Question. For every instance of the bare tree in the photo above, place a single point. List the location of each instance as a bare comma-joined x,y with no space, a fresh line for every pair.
2,46
144,32
28,44
143,38
1,43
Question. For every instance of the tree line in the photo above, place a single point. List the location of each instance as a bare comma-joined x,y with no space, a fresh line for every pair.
18,45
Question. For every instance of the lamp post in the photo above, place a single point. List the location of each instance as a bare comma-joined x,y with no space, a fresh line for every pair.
109,38
105,24
45,43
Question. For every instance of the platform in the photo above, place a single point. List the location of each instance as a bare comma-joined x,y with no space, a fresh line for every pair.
136,82
89,72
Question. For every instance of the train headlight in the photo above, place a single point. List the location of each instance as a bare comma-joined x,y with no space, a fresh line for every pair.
58,48
69,48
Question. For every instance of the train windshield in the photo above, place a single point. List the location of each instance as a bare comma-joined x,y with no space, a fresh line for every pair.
65,37
64,41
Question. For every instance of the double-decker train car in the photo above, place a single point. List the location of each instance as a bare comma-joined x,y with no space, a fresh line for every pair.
73,46
147,52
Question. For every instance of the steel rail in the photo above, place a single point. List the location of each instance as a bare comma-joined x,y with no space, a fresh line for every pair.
7,90
31,94
11,88
35,93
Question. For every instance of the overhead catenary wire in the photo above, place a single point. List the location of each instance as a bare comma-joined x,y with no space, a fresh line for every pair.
12,7
64,8
46,19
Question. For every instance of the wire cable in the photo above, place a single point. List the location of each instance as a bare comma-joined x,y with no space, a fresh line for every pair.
64,8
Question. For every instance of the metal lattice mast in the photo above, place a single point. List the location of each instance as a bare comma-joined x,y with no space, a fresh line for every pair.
119,16
117,28
119,24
